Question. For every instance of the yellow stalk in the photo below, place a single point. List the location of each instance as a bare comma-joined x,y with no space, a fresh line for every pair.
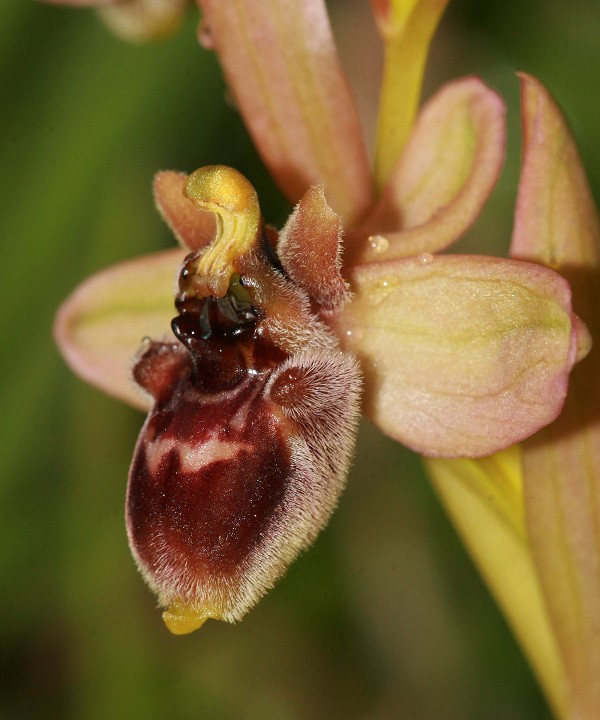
484,499
406,27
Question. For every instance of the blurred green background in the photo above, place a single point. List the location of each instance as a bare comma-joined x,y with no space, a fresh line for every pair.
385,617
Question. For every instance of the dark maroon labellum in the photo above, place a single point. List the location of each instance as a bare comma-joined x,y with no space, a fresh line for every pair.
213,457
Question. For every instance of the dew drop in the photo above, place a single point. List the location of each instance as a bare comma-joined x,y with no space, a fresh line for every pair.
379,244
380,291
425,258
354,335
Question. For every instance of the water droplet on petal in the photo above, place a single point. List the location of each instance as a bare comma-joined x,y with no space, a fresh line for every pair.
425,258
380,291
379,244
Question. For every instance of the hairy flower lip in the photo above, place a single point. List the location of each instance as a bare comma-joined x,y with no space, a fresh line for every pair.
227,487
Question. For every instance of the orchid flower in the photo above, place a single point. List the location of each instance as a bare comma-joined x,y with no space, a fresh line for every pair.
277,332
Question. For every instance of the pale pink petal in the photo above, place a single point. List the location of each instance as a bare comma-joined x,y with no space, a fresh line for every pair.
281,63
462,355
556,224
192,227
101,326
443,178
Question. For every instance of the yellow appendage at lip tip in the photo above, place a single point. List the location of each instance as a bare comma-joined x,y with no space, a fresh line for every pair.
183,619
